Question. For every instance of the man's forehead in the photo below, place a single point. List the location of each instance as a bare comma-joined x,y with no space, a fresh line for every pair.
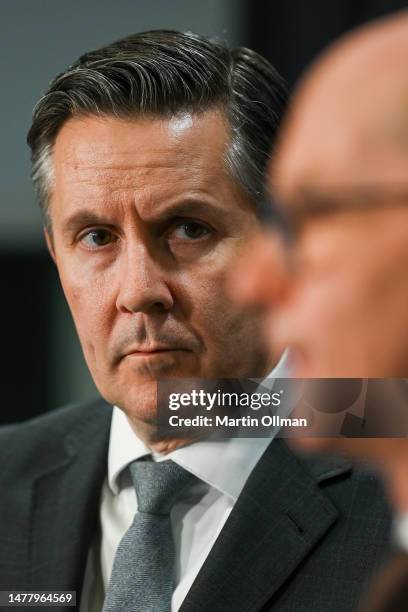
314,154
113,143
345,122
152,165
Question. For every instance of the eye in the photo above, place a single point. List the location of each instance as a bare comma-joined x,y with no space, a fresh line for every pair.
190,230
97,238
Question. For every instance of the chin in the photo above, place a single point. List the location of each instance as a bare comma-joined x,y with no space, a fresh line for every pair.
141,400
146,415
168,364
136,397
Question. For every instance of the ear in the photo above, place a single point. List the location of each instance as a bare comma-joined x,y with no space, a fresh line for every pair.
50,243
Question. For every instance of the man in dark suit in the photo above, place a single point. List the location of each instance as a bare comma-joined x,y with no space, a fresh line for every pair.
148,158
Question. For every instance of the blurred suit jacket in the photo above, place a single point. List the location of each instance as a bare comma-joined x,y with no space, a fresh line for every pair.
304,535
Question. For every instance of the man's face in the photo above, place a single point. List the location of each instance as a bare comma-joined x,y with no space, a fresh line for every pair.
145,224
341,297
345,311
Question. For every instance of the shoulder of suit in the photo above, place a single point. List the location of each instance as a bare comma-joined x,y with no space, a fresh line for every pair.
22,444
57,420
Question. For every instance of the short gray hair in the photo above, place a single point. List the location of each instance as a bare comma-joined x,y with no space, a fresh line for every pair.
163,73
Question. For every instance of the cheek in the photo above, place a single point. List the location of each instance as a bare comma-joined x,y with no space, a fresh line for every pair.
90,303
318,310
338,283
207,291
213,314
206,301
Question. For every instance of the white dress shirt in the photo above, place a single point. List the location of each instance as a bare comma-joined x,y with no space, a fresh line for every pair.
222,467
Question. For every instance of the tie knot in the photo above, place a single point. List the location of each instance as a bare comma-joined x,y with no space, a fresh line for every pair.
158,484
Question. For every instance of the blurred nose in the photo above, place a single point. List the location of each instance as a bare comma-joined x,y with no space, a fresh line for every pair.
143,286
262,277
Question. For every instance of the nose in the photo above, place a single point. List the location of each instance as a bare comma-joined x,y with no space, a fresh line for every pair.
262,276
142,284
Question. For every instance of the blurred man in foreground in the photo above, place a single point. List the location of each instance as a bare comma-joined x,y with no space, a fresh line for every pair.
338,293
337,277
340,178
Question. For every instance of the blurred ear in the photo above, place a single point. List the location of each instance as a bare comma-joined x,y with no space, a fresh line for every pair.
50,243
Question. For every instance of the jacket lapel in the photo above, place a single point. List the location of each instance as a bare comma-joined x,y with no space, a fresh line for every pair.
65,503
279,517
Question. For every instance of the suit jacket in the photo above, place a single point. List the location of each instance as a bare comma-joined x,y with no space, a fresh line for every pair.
304,535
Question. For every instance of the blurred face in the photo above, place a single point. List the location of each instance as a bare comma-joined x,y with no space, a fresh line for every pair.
146,222
346,309
338,293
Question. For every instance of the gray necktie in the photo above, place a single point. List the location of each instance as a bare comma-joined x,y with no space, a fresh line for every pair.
143,570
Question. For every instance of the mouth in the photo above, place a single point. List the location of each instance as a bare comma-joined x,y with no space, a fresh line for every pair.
153,352
156,362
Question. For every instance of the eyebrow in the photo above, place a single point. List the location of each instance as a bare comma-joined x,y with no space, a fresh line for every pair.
83,218
187,208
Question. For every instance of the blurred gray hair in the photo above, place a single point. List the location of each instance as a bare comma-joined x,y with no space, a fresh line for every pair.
160,74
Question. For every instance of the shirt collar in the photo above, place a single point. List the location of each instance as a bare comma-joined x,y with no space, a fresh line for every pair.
124,447
237,456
